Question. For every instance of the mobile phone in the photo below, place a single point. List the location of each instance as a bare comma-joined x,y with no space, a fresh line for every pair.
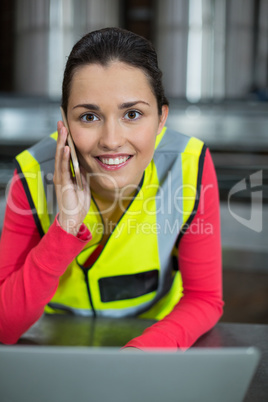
74,159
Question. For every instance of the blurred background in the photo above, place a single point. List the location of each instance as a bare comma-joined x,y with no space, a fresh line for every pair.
214,58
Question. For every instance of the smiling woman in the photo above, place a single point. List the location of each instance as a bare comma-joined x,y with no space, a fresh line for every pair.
113,117
131,243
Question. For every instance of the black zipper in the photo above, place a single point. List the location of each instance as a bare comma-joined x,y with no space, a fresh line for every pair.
85,270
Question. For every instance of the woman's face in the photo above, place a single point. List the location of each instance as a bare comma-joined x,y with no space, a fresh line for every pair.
113,118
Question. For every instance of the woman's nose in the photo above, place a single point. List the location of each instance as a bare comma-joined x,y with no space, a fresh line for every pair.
112,137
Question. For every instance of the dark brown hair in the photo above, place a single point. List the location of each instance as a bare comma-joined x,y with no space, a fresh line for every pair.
115,44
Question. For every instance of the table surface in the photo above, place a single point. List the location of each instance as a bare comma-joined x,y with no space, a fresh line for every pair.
80,331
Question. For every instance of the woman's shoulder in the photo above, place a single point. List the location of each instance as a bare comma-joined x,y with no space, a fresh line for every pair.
40,153
172,141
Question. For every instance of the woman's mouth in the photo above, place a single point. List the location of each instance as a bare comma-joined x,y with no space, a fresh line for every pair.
113,163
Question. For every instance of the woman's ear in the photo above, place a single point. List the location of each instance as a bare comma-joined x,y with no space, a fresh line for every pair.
163,118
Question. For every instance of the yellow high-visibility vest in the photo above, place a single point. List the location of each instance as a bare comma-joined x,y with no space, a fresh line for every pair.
135,274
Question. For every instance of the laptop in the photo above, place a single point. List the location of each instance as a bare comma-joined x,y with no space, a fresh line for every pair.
78,374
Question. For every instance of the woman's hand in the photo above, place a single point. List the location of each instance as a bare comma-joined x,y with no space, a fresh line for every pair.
73,203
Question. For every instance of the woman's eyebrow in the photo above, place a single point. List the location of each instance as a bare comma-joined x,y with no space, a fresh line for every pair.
90,106
126,105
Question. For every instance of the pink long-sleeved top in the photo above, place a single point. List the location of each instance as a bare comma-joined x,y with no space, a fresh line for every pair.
30,268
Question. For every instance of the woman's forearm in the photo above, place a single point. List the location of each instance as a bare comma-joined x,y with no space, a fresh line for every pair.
30,268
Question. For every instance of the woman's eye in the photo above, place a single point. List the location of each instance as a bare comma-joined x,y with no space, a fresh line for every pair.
89,117
132,115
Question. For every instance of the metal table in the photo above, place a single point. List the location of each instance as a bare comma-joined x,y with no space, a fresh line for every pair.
79,331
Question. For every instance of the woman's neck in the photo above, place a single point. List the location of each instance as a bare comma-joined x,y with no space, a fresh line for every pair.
108,204
111,211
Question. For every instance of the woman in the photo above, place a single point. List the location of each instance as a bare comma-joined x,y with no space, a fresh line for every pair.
143,237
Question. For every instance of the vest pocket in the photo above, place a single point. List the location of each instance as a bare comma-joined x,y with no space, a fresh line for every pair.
125,287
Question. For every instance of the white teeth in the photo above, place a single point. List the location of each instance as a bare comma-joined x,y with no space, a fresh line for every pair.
115,161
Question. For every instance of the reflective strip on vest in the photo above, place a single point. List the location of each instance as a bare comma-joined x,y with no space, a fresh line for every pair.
134,274
36,165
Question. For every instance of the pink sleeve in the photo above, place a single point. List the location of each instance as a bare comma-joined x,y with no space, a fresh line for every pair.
29,274
200,265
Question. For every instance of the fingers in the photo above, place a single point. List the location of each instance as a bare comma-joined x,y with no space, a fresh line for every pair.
73,205
65,166
59,125
60,152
